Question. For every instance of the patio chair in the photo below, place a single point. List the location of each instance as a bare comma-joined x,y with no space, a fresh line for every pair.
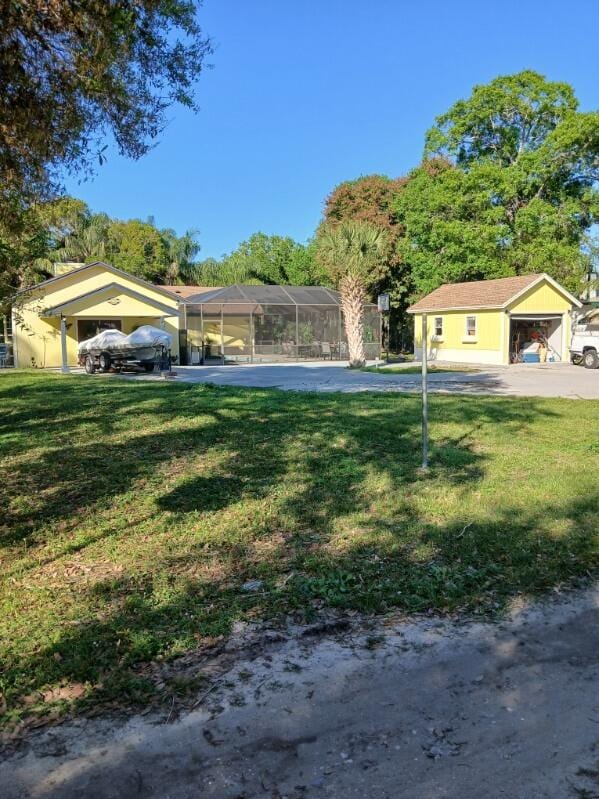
325,350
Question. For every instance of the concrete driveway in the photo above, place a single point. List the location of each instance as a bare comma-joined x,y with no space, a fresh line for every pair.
547,380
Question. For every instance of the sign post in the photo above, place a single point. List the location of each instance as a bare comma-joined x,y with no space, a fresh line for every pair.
424,393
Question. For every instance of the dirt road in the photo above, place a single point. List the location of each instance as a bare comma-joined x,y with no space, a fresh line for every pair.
423,709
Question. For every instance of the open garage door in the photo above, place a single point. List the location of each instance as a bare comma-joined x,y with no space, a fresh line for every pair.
536,337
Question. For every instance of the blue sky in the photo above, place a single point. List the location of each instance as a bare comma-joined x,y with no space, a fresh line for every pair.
306,94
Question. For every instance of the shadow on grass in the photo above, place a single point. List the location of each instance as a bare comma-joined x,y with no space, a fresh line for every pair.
319,496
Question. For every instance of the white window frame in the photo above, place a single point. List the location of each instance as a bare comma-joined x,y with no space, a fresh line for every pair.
468,336
438,336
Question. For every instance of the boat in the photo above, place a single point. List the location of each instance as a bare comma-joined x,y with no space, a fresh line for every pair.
145,347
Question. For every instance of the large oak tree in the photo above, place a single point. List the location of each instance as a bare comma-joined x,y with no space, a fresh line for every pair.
74,77
508,186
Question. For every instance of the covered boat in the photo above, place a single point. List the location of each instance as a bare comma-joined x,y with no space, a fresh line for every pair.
145,347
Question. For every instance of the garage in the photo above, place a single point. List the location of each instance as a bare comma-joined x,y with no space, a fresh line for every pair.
519,319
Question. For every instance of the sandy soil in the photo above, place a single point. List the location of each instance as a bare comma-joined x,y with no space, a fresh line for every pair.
418,709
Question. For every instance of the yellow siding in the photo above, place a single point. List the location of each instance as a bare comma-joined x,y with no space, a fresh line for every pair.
489,333
543,298
37,338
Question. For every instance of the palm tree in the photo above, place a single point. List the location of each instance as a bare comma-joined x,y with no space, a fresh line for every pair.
181,254
86,241
353,253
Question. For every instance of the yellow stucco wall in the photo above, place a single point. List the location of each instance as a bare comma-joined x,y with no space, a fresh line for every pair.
488,341
37,338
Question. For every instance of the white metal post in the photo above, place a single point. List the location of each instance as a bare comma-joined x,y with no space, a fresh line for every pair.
424,393
63,345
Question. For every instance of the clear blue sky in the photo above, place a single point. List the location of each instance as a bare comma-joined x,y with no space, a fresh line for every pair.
305,94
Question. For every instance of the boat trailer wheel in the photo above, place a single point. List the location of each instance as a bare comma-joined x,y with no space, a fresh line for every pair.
105,361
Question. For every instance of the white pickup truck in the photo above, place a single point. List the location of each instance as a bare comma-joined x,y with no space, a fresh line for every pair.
584,347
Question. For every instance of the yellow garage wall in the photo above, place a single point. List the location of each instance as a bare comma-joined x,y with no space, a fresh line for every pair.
37,338
543,298
487,346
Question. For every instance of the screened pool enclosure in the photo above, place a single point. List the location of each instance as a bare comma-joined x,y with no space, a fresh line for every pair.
256,324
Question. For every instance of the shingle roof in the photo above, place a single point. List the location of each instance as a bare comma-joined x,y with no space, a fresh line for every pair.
475,294
183,292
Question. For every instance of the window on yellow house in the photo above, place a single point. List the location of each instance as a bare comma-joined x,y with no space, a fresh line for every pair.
471,326
438,326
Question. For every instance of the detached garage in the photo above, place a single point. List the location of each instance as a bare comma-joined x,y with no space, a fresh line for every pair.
512,319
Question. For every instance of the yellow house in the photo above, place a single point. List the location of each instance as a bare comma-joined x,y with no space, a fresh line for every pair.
207,325
494,321
51,318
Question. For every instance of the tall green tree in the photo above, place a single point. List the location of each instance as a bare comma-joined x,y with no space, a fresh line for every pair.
371,199
181,254
353,253
263,259
74,74
137,247
72,77
508,186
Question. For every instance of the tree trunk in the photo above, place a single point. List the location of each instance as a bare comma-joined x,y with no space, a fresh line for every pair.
353,297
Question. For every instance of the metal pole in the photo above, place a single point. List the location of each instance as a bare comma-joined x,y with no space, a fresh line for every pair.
424,393
297,333
222,335
63,345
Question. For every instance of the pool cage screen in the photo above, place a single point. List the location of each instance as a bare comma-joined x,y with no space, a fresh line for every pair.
260,323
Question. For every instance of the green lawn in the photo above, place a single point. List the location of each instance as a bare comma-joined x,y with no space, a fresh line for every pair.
133,512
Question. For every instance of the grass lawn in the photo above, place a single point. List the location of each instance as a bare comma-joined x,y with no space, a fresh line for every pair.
133,512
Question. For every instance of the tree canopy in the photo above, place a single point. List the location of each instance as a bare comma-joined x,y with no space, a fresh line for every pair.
74,76
263,259
508,186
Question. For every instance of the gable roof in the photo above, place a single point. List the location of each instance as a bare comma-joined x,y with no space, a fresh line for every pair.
109,267
475,294
63,307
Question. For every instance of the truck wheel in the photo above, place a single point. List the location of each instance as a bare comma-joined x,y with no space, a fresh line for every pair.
591,359
149,367
105,361
90,366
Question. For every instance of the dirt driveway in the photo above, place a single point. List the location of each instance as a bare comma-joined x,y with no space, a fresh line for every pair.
548,380
421,709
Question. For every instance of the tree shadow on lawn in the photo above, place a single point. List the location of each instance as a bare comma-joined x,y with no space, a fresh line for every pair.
293,467
477,569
